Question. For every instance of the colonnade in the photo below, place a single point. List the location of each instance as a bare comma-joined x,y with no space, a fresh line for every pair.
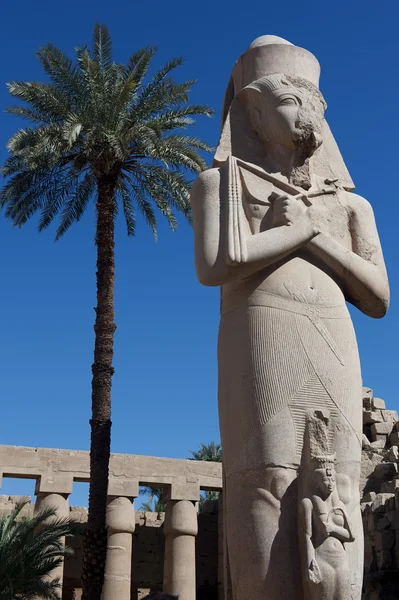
180,529
55,472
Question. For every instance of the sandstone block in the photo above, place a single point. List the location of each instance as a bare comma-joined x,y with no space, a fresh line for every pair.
380,503
372,416
394,454
384,559
383,523
384,428
369,497
393,518
390,415
370,524
367,398
384,540
365,442
389,487
380,443
385,470
378,403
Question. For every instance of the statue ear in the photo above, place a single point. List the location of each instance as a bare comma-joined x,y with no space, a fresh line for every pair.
250,97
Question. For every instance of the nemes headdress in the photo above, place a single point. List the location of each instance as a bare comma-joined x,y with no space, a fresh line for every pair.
270,55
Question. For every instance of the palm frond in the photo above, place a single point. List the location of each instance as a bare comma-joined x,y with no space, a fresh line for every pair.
43,97
76,205
144,206
102,46
128,208
210,452
62,72
139,63
94,117
30,548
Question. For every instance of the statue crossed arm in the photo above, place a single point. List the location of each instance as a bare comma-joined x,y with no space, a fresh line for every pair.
287,252
360,271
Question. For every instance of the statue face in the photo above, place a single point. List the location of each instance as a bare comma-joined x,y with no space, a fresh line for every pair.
289,116
325,480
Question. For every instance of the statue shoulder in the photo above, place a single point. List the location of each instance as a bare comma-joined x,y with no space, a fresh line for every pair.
358,205
306,505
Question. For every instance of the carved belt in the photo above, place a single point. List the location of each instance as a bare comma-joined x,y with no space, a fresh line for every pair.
236,299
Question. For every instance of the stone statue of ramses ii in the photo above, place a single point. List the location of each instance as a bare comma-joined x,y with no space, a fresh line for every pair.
278,227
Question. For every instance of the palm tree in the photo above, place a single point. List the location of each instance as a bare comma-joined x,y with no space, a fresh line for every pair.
30,548
101,130
154,501
211,452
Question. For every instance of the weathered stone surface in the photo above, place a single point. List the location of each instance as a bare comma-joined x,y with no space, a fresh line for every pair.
384,559
372,416
55,470
369,497
394,454
386,470
378,403
381,502
390,487
382,428
380,443
121,525
384,540
367,398
383,523
278,186
390,415
393,518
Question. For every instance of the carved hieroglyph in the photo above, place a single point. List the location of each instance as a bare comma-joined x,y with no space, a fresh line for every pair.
279,228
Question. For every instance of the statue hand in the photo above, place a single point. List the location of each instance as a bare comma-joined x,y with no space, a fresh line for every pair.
314,574
328,528
287,209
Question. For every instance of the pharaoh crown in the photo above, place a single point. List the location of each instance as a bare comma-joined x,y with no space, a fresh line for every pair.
270,54
326,461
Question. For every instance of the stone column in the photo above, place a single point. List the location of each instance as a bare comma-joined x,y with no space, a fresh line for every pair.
121,525
180,528
45,500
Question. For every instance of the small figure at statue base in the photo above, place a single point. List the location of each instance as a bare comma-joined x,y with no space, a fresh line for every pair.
278,227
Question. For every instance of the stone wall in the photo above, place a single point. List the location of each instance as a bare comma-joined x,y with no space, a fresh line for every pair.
380,499
148,551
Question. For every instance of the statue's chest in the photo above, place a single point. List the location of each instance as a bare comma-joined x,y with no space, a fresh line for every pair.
258,197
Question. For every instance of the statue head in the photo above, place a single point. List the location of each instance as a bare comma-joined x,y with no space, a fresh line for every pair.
288,111
324,474
273,101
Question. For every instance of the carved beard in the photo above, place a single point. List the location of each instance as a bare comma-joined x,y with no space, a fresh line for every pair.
307,140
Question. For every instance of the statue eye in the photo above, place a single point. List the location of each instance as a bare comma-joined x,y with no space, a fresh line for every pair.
288,101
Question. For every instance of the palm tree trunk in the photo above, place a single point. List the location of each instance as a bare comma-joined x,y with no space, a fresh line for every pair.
95,543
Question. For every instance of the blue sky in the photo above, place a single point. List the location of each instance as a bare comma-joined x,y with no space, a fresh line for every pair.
165,386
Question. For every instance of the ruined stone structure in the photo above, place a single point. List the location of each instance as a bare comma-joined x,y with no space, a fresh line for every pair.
279,229
56,470
143,537
380,499
147,559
